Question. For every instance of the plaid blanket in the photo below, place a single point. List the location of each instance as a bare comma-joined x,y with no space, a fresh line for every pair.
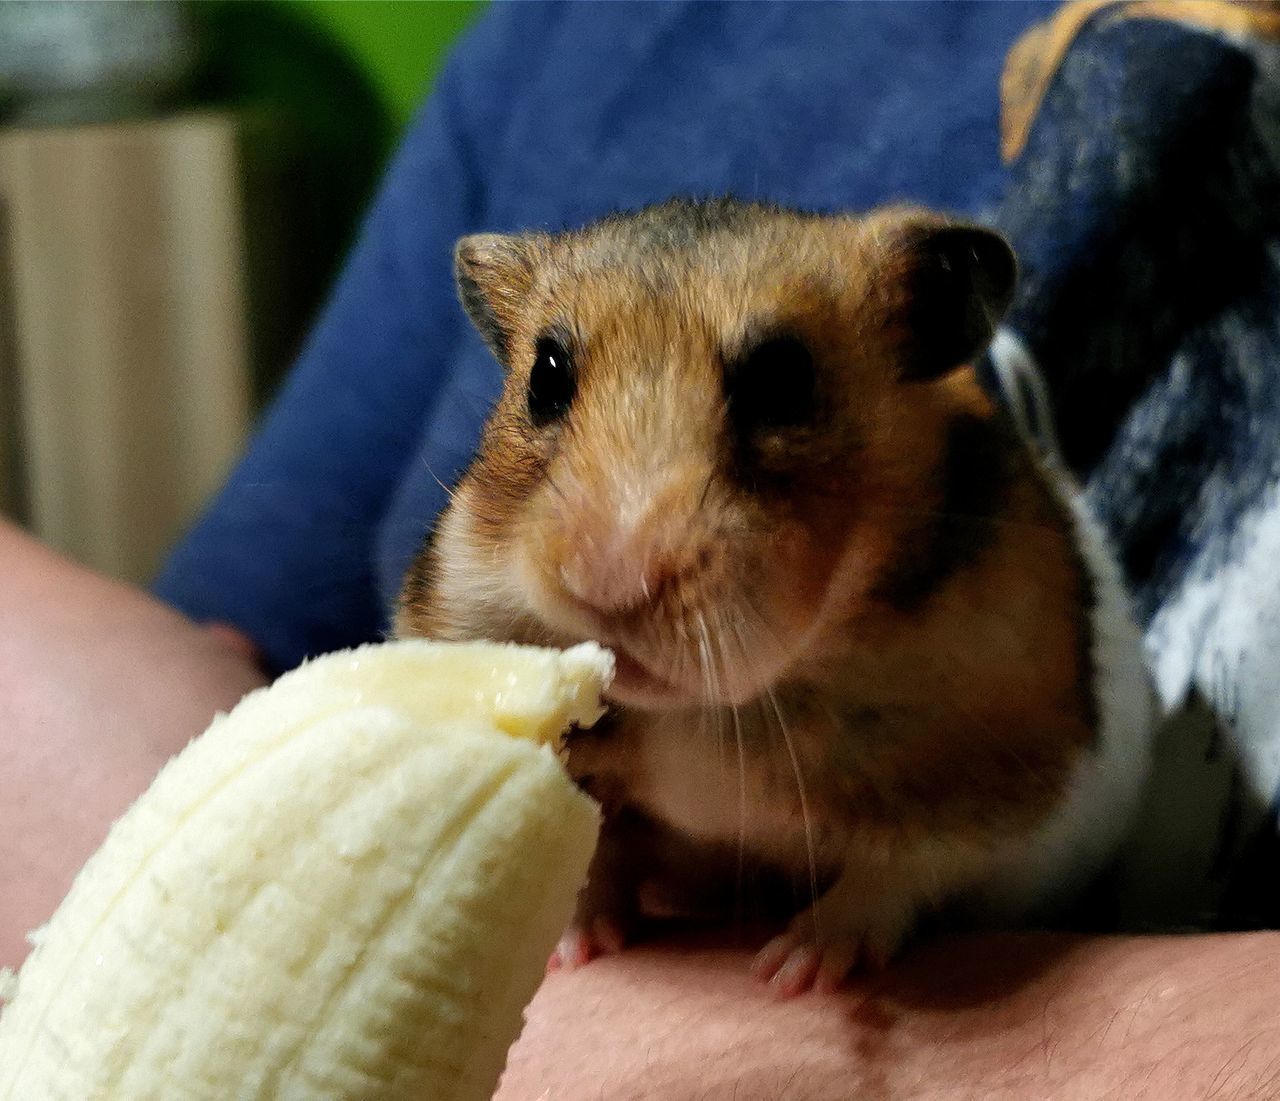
1144,349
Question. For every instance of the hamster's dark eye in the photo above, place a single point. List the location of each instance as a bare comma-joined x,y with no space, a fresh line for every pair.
772,386
551,382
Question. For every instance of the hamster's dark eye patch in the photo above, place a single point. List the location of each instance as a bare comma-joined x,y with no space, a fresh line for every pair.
772,386
552,382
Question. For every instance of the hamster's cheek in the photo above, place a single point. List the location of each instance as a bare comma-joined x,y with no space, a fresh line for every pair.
472,590
532,586
792,574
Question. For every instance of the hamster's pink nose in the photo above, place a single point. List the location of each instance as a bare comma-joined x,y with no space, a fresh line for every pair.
615,575
621,548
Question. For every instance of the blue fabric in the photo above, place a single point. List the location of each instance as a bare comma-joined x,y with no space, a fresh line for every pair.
1145,209
549,115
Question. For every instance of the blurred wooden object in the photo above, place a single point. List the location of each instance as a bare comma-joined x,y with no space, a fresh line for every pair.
123,249
11,478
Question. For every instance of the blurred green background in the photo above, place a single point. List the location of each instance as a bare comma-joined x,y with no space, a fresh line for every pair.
355,67
400,44
336,82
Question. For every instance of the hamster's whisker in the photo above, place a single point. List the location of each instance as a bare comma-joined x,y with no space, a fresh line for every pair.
722,641
789,742
703,720
666,637
746,604
704,653
450,493
550,480
708,707
740,870
714,682
706,489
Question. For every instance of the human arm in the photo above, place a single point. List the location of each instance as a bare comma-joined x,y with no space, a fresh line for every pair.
99,685
992,1016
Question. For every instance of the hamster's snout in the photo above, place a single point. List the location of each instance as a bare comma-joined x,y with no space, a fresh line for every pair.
630,568
630,546
649,570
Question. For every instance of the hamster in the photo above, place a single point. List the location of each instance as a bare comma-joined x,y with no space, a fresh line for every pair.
864,636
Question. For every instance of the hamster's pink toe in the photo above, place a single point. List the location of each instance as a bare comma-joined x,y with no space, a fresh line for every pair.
579,946
792,964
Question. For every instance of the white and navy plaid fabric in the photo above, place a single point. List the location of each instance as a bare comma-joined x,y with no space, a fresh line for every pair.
1144,346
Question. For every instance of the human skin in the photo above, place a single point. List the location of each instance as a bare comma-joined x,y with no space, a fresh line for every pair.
1015,1016
100,685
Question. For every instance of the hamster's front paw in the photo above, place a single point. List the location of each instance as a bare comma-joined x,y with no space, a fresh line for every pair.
825,943
582,942
607,912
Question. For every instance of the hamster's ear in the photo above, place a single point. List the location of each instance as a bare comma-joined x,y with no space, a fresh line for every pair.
495,274
959,282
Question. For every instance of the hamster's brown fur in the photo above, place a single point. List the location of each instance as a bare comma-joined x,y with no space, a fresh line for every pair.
852,620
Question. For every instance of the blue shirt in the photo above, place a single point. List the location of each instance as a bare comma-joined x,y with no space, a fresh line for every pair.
1145,209
549,115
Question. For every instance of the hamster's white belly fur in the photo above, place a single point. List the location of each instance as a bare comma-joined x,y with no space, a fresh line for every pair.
1089,824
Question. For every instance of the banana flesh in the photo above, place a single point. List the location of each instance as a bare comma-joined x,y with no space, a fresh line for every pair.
346,888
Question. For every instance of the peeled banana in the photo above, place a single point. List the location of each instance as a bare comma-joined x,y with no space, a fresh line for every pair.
346,888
